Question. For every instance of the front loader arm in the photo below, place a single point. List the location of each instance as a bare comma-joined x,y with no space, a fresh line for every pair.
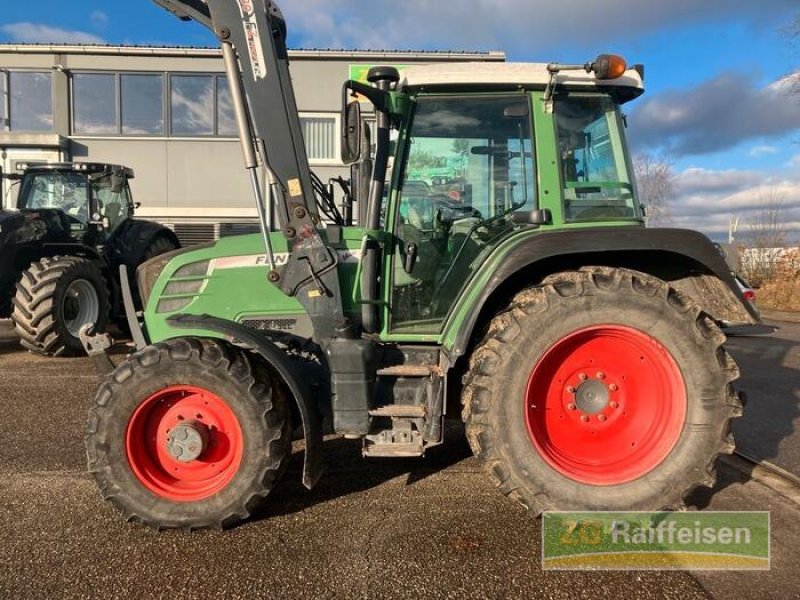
253,38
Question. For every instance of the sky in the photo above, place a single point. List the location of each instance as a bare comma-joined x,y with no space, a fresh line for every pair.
720,74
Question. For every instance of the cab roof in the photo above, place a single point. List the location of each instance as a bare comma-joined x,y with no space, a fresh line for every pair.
80,167
512,75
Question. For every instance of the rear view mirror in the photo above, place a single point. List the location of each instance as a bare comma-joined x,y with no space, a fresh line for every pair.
351,133
117,184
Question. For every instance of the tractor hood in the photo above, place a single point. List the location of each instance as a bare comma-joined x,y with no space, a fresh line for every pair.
10,221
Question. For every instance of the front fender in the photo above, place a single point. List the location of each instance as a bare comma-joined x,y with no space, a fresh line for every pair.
286,367
686,259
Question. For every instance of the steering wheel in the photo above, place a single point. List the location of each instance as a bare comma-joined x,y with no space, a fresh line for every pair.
448,211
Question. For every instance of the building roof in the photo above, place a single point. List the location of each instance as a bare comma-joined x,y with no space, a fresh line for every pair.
190,51
522,74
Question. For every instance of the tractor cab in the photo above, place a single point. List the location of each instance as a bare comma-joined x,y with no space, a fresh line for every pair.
81,196
481,153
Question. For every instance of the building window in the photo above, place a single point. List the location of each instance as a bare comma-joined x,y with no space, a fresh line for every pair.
226,120
142,104
3,102
30,101
95,103
320,132
192,105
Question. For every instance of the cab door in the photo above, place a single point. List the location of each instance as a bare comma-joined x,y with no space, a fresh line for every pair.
467,166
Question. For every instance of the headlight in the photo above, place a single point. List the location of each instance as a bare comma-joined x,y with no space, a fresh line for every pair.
183,286
148,272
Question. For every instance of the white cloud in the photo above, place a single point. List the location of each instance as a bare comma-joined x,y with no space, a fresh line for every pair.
45,34
513,25
794,162
710,200
716,115
759,151
98,18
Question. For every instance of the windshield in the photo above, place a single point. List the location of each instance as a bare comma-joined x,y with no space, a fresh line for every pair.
596,178
65,191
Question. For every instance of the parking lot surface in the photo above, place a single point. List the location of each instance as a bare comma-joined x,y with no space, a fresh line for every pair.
770,365
432,527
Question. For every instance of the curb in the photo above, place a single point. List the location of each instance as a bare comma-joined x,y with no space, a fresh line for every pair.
775,478
780,315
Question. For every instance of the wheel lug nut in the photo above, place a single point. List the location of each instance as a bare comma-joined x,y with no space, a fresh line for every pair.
613,405
571,389
571,406
613,387
582,376
601,418
585,419
601,375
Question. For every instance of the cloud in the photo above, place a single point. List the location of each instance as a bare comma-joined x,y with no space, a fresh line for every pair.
759,151
513,25
99,19
44,34
710,200
718,114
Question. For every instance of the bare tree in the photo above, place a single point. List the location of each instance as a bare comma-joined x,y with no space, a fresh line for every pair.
766,236
655,181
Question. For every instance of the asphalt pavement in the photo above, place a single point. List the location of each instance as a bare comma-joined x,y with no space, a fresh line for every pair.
770,365
432,527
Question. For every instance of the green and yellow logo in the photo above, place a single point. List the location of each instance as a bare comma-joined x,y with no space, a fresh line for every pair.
656,540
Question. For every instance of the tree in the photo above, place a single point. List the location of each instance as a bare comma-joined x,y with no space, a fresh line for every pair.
766,236
655,182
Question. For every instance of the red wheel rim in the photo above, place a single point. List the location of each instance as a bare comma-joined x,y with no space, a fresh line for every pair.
146,443
605,404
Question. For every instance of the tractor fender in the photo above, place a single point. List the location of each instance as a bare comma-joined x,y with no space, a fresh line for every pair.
286,367
681,257
132,238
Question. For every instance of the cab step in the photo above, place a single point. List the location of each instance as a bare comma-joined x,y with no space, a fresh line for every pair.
410,371
399,411
402,441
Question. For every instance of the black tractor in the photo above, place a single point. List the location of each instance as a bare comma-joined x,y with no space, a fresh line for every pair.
61,249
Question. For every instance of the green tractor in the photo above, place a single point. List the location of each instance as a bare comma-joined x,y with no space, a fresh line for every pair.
583,351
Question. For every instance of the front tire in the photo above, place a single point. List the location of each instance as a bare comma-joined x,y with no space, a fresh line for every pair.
55,297
189,433
601,389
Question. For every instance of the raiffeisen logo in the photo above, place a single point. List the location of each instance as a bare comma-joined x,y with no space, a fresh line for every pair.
655,541
669,532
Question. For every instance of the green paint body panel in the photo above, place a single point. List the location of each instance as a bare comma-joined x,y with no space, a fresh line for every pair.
239,289
236,285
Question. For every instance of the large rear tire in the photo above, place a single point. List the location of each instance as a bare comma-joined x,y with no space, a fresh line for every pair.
601,389
189,433
55,297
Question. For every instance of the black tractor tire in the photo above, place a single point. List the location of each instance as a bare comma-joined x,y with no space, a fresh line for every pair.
159,245
54,297
520,394
125,461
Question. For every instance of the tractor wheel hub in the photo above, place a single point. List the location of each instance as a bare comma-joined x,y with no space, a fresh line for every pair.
591,396
187,441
